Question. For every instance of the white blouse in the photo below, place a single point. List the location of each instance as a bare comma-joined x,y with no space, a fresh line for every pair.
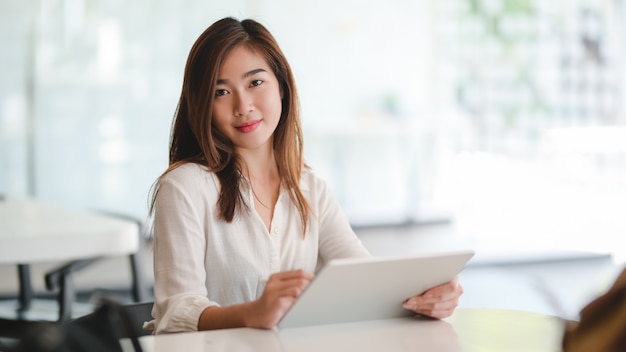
202,261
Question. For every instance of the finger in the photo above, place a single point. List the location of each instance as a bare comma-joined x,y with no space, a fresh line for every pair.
293,291
448,296
292,274
446,291
440,290
291,282
439,310
419,303
448,304
287,287
437,313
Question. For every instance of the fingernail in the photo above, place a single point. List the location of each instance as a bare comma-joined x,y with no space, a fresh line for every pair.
409,305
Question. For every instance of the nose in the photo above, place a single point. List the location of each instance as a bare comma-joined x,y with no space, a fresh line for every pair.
243,104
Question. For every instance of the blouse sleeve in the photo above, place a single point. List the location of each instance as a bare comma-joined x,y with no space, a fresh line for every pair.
337,239
179,251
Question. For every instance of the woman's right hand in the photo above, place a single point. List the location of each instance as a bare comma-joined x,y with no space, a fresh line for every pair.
281,291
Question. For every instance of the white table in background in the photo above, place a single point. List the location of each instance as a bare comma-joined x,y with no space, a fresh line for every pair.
33,231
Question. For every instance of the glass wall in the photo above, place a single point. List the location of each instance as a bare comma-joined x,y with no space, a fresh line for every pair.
504,117
540,90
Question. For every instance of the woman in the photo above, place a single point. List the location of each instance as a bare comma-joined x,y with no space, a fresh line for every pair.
240,223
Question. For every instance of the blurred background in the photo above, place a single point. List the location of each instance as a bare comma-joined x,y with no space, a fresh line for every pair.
503,121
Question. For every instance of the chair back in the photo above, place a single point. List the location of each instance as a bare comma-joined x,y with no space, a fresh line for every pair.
136,314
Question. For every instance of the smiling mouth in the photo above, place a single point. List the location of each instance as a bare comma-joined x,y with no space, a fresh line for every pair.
249,126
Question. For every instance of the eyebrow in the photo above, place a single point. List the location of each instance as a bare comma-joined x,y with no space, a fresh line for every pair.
245,75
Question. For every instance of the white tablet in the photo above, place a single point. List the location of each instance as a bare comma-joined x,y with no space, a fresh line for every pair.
350,290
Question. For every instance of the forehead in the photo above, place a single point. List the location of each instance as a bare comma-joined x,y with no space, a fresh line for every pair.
241,60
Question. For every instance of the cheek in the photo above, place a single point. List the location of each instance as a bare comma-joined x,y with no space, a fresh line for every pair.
220,119
274,103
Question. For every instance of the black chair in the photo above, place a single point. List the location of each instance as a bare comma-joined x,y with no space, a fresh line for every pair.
99,331
136,315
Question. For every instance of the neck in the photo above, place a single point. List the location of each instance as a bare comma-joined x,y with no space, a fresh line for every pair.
259,164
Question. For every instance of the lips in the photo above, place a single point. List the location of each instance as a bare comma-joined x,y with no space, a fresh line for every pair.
248,126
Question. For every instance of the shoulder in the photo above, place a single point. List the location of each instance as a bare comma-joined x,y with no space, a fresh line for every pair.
190,178
312,184
188,172
310,179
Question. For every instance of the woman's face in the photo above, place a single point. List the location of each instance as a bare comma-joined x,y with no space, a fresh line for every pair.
247,105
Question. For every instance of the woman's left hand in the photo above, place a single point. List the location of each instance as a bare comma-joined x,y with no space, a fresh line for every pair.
438,302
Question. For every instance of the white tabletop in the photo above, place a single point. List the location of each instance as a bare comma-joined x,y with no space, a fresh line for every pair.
468,329
33,231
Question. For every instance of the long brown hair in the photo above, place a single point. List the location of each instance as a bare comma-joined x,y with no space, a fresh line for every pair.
194,138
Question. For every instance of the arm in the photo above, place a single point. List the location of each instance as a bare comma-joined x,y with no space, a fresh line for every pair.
179,254
337,239
280,293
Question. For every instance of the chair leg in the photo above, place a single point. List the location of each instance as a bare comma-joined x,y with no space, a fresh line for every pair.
66,297
26,289
139,288
61,278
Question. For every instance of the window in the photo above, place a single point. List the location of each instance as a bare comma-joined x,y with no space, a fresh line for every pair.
504,117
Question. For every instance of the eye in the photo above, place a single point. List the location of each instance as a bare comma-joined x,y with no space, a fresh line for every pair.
256,82
220,92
